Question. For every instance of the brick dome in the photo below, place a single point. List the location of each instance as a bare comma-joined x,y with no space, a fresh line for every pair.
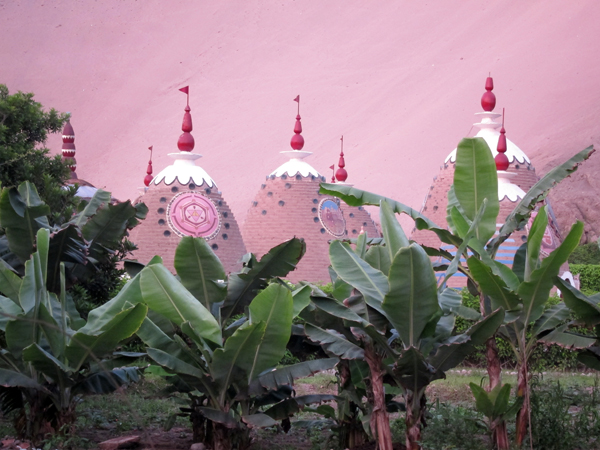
183,200
521,178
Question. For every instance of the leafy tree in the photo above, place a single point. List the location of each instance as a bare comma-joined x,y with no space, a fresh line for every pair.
24,126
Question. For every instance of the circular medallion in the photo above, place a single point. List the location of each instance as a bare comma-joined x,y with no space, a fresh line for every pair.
331,217
193,214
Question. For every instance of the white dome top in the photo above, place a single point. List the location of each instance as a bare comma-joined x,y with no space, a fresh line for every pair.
295,165
489,132
184,170
508,190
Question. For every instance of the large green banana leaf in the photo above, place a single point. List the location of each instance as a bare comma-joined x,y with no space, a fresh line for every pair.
451,354
287,374
372,283
278,262
536,290
412,299
236,359
587,309
10,282
536,194
47,364
534,243
356,197
493,285
274,307
68,246
22,213
99,199
200,271
164,294
334,342
393,234
475,179
9,311
122,326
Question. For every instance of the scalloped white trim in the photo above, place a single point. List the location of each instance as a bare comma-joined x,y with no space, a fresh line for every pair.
184,170
508,190
491,137
296,166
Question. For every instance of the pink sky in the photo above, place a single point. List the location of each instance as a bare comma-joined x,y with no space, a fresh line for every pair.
400,80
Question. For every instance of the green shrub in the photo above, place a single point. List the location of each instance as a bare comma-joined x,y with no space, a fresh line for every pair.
589,276
586,254
564,419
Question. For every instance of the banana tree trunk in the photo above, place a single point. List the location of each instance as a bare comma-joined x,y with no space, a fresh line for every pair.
415,409
380,423
494,370
352,433
523,414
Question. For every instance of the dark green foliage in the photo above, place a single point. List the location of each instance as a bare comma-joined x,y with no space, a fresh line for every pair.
589,276
24,126
454,427
586,254
544,357
564,418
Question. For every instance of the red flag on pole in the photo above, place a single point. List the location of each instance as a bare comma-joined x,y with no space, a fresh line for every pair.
297,99
185,90
332,167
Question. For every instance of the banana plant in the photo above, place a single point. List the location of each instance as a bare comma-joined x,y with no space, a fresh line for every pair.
495,405
475,193
50,359
233,333
402,320
88,240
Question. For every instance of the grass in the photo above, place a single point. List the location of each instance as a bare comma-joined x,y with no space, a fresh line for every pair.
139,406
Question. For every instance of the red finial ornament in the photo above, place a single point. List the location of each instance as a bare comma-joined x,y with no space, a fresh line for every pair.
148,177
341,174
297,141
332,167
68,147
501,159
488,100
186,143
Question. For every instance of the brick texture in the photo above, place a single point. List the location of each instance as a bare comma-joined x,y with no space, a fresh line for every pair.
287,207
154,236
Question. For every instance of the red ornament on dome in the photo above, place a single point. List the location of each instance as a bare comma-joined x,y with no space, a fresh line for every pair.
148,178
68,147
297,141
501,159
186,143
488,100
341,174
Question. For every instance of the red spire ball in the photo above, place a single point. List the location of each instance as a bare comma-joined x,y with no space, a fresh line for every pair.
186,143
148,177
501,158
68,147
297,141
341,174
488,100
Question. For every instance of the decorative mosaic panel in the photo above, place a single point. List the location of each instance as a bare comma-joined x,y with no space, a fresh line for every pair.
193,214
331,217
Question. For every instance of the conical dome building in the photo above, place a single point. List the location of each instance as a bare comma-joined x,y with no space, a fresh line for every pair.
183,200
516,175
289,204
358,220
